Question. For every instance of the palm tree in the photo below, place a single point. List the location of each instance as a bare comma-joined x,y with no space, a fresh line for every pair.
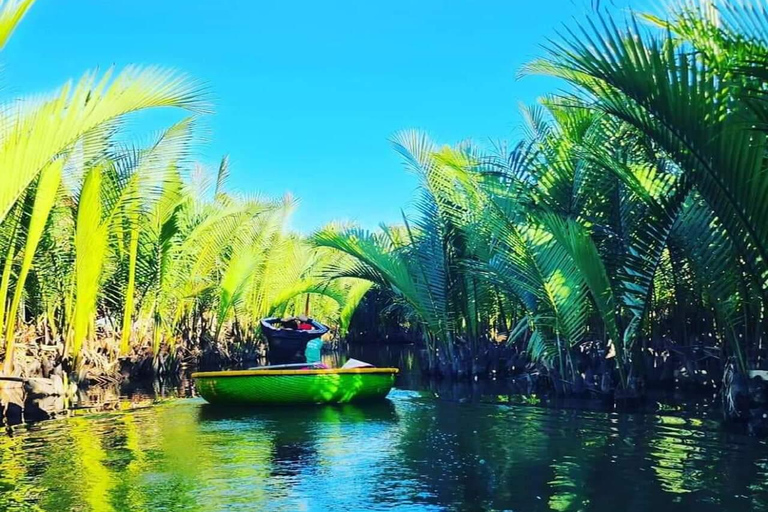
70,131
98,237
696,92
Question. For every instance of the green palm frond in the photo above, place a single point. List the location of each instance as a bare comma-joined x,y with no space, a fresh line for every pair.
686,109
91,246
11,13
45,196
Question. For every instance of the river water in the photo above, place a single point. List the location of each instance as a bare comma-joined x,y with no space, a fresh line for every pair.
415,451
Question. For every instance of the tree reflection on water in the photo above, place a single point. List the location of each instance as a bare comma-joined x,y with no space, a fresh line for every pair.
410,452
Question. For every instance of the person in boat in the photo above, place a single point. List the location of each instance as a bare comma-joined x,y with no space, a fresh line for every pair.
287,323
296,323
313,352
304,324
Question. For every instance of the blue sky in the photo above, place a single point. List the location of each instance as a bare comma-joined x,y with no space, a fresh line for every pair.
307,93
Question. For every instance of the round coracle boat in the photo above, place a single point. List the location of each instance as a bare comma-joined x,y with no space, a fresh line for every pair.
294,386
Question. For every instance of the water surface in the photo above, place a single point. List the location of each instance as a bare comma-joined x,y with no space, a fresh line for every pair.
412,452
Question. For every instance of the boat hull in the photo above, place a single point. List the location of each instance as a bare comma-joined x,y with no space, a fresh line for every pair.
272,387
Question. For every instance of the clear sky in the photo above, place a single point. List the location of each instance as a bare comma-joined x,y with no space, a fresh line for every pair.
307,93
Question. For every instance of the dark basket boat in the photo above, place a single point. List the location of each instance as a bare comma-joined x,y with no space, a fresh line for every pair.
288,345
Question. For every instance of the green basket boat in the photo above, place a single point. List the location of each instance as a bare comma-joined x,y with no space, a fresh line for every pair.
305,386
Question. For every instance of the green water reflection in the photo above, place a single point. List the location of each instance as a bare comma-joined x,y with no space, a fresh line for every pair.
410,453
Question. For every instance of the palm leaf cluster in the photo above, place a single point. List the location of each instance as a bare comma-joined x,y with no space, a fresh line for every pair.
109,248
628,225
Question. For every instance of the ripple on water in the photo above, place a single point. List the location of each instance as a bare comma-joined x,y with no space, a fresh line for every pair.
413,452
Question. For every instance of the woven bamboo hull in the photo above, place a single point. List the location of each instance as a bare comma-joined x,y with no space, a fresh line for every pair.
264,387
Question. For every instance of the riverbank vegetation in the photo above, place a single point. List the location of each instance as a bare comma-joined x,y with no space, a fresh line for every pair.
120,256
623,243
620,244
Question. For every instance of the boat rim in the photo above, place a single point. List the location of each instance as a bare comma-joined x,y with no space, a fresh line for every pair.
320,371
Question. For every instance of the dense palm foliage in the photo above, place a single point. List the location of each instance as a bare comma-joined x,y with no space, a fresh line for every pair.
628,229
109,249
623,240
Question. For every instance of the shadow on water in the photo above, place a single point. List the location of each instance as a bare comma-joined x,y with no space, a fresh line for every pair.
511,392
17,406
380,410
